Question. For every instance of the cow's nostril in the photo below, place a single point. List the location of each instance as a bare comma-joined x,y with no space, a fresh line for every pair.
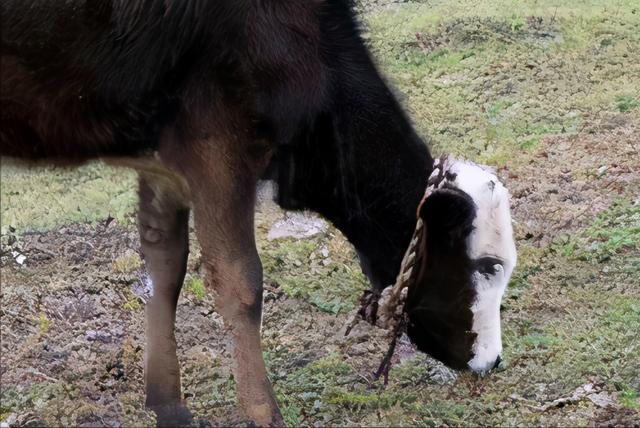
497,363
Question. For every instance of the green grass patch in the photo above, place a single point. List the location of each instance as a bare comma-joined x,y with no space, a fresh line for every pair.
331,282
127,263
596,335
627,103
491,84
194,285
368,399
15,398
306,392
441,413
629,398
613,231
41,198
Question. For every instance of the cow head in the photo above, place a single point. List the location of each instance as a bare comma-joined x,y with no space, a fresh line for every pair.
469,255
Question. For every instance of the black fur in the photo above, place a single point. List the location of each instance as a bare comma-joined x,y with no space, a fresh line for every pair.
89,78
83,79
439,304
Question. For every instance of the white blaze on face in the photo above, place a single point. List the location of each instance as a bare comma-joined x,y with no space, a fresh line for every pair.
492,238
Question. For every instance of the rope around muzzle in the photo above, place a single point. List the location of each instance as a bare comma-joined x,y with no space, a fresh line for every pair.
387,310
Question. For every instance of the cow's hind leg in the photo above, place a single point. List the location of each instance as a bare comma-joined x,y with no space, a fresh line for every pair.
164,233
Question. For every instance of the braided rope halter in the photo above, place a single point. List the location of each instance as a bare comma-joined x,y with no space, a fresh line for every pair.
387,309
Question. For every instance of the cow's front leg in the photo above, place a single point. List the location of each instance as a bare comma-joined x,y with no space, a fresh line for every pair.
222,179
164,234
236,276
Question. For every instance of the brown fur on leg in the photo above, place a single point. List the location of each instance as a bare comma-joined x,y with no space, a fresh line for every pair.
222,173
164,237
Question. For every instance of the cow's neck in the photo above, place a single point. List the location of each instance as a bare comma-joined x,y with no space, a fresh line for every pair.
362,167
389,170
354,157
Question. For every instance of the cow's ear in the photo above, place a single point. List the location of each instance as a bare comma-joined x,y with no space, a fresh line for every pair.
448,213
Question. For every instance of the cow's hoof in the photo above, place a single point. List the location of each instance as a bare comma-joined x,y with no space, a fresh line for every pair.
174,415
265,416
277,421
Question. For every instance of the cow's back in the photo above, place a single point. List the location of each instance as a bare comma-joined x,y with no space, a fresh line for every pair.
84,78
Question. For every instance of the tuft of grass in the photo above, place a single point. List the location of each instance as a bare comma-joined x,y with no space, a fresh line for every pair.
539,341
195,287
132,303
516,23
530,144
369,399
626,103
127,263
44,323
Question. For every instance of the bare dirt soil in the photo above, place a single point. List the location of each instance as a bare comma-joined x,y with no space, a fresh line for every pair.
572,178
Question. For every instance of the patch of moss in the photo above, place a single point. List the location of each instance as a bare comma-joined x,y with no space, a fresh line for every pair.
44,323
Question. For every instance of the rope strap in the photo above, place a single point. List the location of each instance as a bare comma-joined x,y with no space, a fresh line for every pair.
387,309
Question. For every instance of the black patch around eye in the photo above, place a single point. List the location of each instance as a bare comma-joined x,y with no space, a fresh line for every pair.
448,214
486,266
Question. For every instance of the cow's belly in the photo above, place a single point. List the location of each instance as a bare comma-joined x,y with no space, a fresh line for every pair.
64,119
69,141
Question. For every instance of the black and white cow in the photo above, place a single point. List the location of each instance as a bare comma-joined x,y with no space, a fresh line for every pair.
205,98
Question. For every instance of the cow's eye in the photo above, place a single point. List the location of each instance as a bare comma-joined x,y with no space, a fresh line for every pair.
488,266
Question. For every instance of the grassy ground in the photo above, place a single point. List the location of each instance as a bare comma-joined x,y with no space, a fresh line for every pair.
548,94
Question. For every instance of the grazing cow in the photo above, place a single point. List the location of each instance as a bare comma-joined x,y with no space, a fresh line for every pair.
205,98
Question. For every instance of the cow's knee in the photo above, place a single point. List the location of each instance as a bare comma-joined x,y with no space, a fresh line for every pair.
150,231
238,288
